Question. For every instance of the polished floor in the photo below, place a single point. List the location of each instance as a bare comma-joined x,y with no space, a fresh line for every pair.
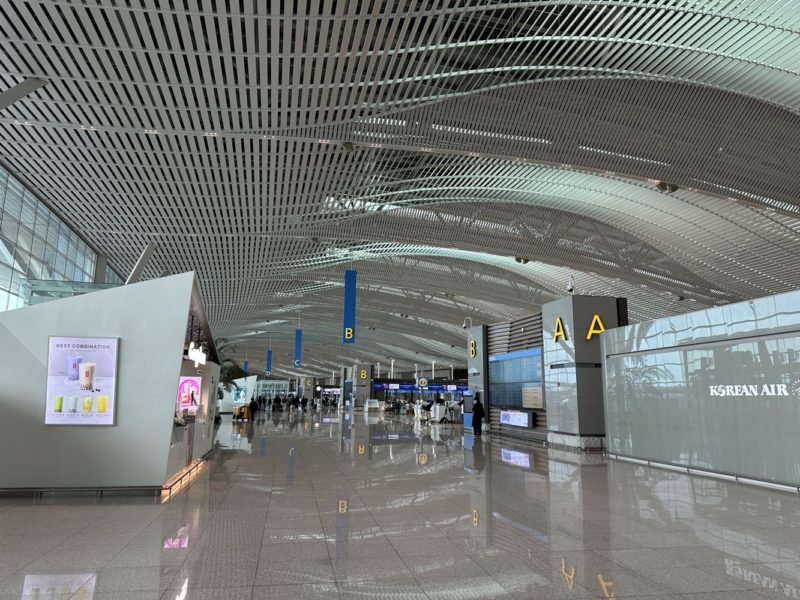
329,507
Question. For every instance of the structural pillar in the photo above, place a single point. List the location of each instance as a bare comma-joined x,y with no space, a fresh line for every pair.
362,380
573,380
477,372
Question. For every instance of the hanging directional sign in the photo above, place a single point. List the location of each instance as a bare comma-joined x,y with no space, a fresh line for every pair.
349,316
298,347
269,362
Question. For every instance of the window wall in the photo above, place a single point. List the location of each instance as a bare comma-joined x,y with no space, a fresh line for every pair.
35,244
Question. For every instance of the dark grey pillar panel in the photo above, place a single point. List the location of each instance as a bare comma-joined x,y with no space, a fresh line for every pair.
362,381
573,367
477,365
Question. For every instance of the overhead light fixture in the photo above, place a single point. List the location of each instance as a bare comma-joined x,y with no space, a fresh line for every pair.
151,131
666,187
211,134
520,260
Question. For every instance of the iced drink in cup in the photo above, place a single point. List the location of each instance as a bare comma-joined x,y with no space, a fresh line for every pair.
58,403
87,404
102,404
74,367
73,404
87,375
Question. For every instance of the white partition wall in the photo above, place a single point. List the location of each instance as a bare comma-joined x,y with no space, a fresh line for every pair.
149,319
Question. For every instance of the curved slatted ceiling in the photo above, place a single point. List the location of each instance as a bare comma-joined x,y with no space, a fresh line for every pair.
465,156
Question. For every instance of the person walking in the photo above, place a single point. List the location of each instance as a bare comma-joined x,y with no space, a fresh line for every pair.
478,415
253,409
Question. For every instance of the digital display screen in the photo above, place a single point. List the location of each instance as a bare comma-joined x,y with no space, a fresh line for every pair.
515,418
189,393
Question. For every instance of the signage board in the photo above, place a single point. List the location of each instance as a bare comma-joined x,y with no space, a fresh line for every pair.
515,418
532,396
189,393
196,354
431,387
81,381
349,313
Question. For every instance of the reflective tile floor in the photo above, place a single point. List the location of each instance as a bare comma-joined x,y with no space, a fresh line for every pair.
323,507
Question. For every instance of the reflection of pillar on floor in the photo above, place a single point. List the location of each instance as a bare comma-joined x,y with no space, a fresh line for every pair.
290,466
342,528
263,448
480,494
578,494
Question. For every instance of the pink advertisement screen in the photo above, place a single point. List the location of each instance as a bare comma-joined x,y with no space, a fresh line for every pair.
189,392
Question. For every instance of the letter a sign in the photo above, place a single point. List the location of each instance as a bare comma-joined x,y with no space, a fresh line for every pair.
558,332
595,328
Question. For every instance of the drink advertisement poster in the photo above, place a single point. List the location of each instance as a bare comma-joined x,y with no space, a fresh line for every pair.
81,381
189,393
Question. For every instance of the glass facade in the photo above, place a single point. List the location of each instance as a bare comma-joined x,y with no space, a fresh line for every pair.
681,391
35,244
513,376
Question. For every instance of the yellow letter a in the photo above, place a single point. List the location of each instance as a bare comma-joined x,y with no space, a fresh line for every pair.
595,328
559,330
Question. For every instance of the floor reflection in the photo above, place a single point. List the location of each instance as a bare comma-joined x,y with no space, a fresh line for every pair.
322,504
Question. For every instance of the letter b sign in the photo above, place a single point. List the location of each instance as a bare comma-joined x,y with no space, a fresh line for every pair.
348,333
473,350
363,373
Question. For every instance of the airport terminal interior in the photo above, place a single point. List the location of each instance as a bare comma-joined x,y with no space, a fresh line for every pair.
399,299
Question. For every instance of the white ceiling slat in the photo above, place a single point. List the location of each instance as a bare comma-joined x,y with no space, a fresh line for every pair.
425,143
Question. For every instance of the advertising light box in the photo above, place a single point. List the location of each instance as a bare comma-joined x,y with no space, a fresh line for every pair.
515,418
189,393
81,381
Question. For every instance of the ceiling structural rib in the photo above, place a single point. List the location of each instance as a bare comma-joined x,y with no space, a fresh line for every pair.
465,157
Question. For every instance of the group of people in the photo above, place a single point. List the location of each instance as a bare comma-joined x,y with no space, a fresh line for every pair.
290,403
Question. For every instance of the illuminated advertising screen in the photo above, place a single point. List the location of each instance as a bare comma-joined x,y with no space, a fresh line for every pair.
189,393
81,381
516,418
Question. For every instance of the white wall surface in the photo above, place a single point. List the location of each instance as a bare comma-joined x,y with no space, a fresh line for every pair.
204,424
149,318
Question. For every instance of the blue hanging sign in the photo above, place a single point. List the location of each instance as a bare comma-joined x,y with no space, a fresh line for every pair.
349,317
298,347
246,366
269,362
